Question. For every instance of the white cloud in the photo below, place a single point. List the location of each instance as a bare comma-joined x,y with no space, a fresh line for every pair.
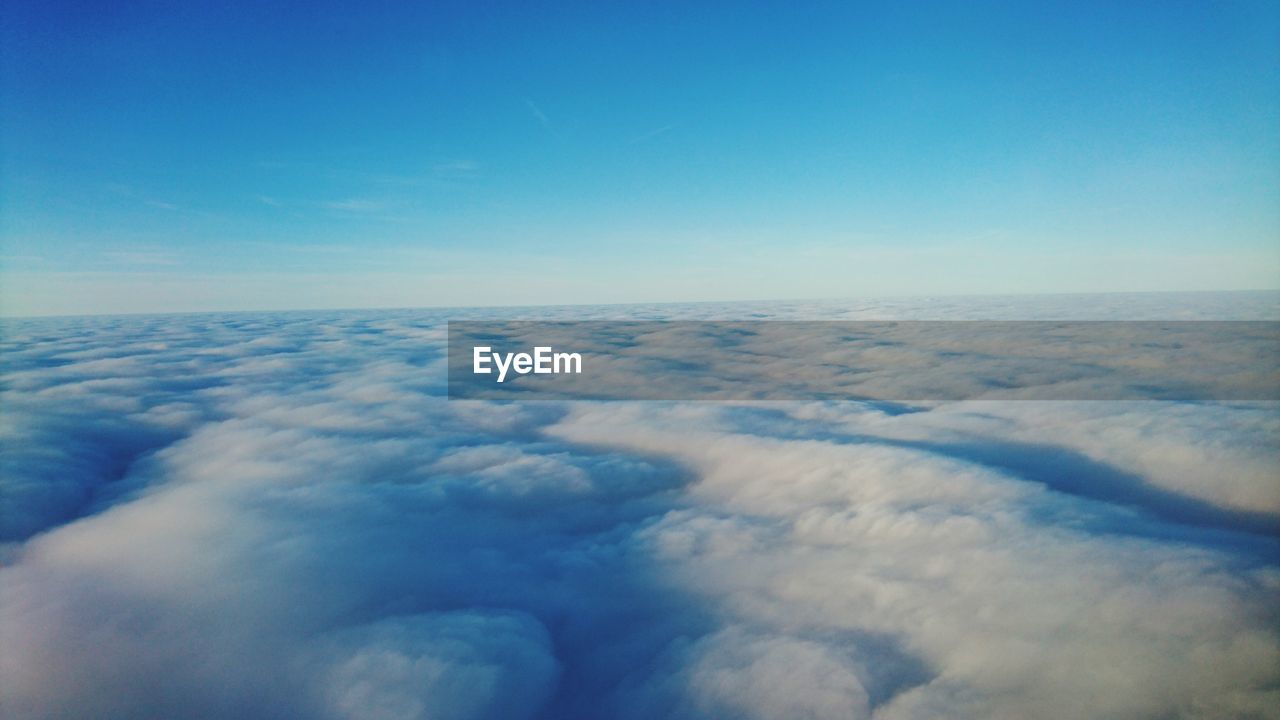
279,515
442,666
357,205
1016,598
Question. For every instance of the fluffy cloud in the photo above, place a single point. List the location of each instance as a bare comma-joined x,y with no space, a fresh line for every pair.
450,666
280,515
1018,600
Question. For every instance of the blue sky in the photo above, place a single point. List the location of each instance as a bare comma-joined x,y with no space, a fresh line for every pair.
255,155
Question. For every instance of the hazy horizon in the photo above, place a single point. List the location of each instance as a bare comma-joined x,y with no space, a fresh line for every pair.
1272,294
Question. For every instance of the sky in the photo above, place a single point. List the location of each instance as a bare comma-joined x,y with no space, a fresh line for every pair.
259,155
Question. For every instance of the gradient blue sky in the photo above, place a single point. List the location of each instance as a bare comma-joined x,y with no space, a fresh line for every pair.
260,155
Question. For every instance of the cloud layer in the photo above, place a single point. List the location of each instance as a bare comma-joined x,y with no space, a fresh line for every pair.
280,515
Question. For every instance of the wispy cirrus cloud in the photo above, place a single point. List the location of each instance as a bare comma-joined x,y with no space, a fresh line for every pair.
357,205
650,135
141,257
541,117
456,167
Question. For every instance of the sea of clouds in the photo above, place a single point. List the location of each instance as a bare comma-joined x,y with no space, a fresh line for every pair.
282,516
